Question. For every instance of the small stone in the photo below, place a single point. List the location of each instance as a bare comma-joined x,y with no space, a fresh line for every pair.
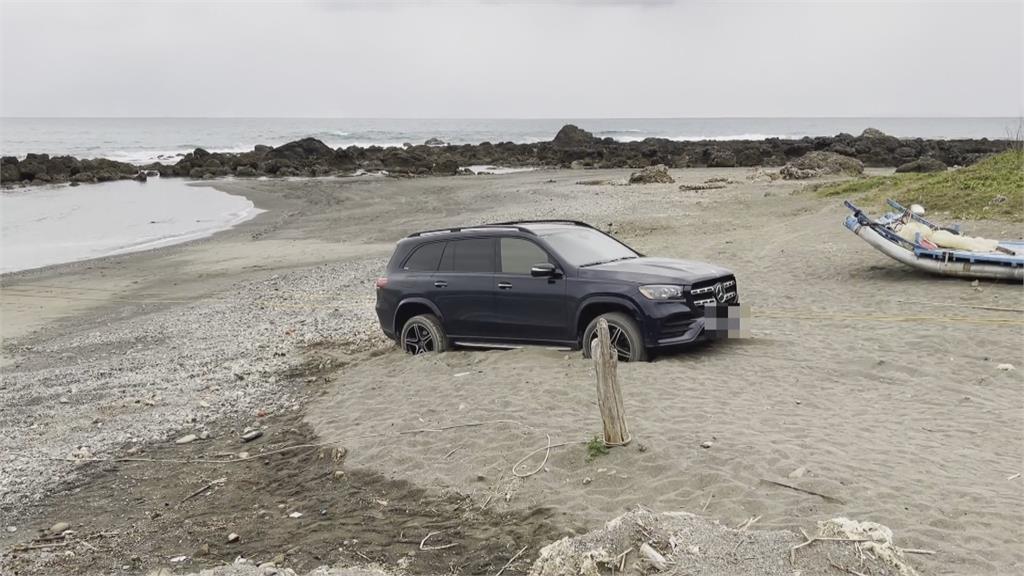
243,455
12,529
232,537
177,559
205,434
59,528
64,400
641,447
186,439
798,473
251,435
587,480
295,515
706,444
204,404
975,284
339,473
1005,367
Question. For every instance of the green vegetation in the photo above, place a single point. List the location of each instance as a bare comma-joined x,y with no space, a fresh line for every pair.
596,448
991,189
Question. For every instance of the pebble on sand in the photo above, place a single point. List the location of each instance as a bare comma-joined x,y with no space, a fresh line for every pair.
706,444
251,435
232,537
1005,367
186,439
59,528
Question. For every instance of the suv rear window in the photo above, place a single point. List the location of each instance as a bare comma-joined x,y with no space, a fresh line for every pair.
474,255
424,258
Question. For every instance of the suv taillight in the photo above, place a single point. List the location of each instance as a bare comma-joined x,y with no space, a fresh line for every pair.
382,282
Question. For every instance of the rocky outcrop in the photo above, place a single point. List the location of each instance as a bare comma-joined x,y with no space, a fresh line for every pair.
39,169
652,175
571,147
571,136
922,165
820,163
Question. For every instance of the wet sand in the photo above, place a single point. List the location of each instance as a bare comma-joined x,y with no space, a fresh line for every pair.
856,384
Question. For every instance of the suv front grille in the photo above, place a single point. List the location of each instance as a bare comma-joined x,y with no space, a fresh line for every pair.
715,292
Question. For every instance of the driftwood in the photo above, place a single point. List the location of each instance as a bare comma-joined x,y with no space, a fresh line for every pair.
804,490
609,396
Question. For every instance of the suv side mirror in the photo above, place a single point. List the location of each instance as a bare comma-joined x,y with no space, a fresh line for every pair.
544,270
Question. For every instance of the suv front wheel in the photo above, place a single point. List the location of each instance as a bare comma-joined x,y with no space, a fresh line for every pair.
423,334
625,337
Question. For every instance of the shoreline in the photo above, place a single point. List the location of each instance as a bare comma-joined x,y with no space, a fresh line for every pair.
146,217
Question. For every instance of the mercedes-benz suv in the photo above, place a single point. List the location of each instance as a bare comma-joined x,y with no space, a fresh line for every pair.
545,282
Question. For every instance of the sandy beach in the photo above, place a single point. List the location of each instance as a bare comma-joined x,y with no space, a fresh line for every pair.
863,381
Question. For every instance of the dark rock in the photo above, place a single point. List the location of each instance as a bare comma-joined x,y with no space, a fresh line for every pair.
342,159
843,149
9,172
571,136
245,171
719,158
873,133
435,142
301,151
446,165
140,177
925,164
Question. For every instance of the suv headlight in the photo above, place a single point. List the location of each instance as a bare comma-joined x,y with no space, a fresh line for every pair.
661,291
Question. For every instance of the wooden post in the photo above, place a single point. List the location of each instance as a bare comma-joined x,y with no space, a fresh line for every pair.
609,397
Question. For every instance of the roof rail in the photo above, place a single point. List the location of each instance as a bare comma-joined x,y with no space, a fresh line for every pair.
466,228
547,221
514,225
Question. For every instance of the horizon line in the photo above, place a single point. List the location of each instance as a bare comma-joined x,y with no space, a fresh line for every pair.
520,118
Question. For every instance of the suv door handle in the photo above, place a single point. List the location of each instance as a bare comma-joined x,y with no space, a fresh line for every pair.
440,284
504,285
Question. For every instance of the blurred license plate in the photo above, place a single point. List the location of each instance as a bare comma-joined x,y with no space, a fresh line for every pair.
727,321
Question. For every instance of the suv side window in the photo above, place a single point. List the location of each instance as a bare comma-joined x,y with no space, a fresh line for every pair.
518,256
471,255
424,258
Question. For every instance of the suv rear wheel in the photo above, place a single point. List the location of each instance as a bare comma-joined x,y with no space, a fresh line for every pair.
625,337
423,334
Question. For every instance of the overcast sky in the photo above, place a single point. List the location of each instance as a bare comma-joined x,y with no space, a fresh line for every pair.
511,59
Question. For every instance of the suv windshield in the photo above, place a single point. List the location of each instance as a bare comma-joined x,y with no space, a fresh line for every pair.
586,247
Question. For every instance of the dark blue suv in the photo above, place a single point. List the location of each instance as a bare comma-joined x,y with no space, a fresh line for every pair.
543,282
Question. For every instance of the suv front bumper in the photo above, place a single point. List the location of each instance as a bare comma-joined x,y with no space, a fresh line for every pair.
675,323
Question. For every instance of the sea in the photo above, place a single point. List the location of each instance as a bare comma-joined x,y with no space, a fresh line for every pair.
57,224
145,140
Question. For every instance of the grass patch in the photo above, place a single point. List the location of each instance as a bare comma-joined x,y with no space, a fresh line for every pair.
596,448
990,189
